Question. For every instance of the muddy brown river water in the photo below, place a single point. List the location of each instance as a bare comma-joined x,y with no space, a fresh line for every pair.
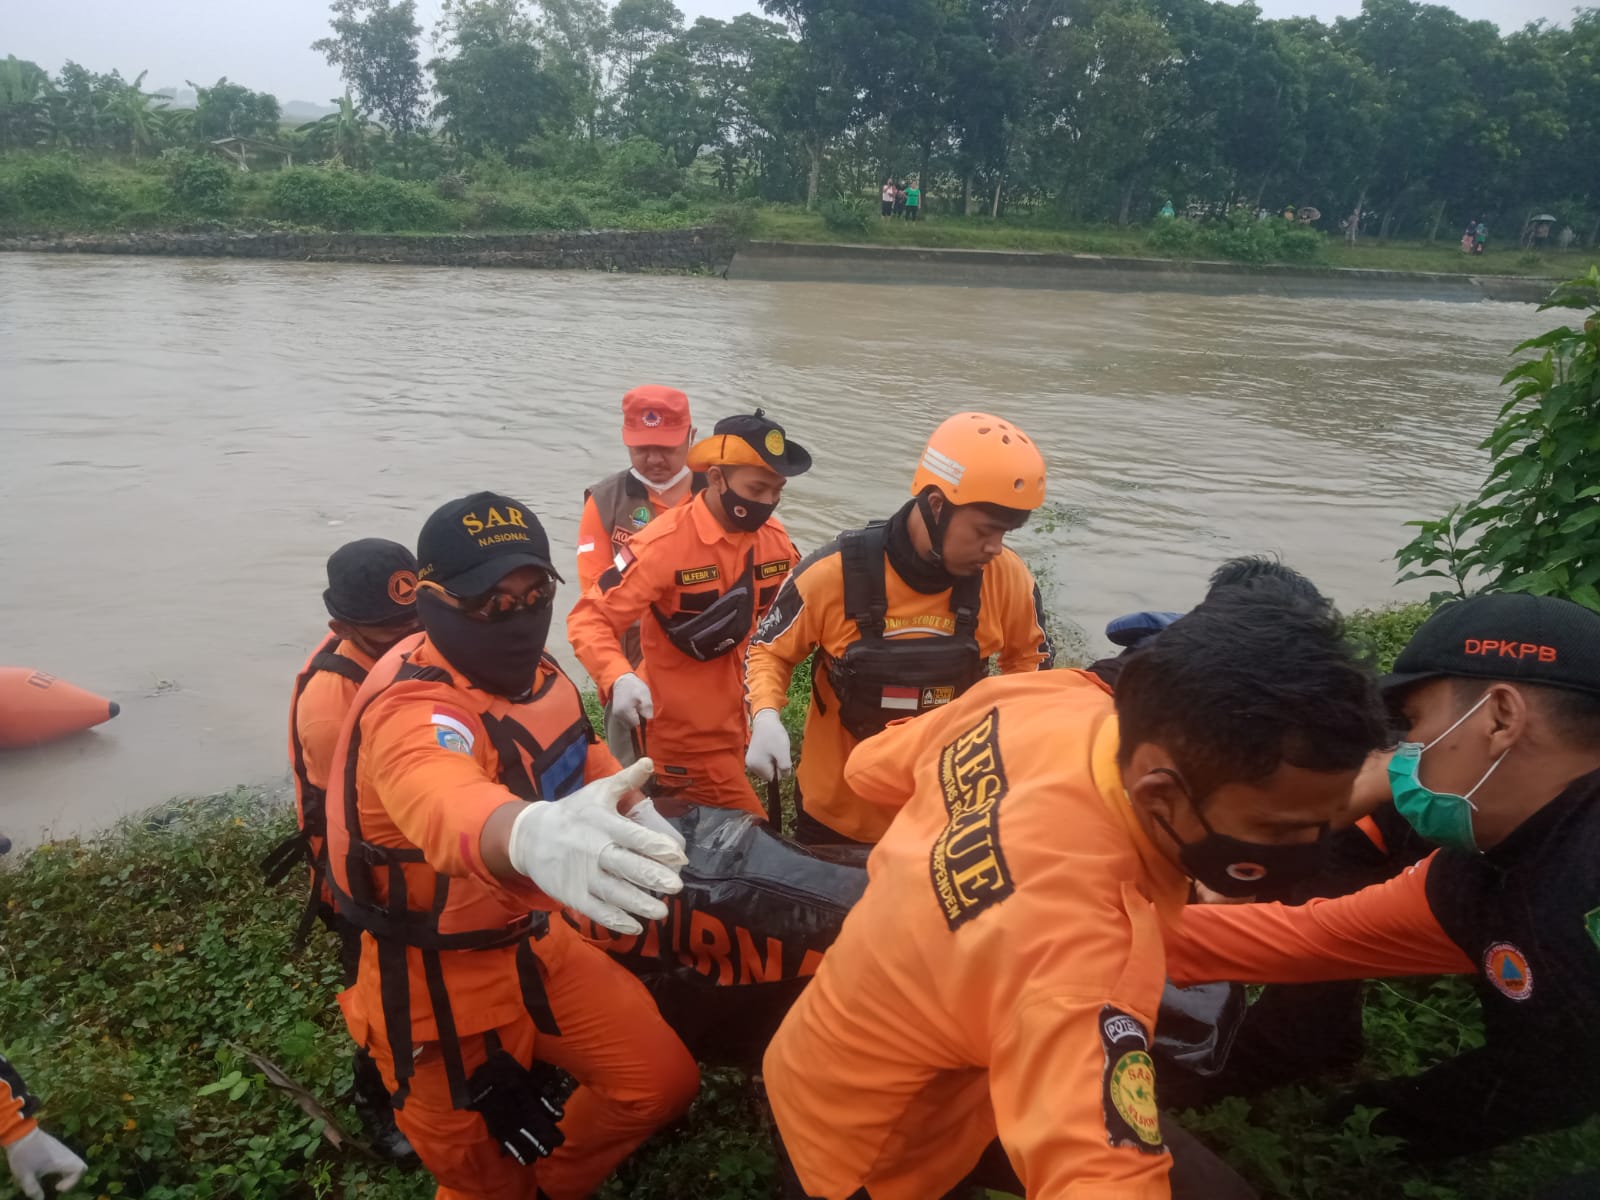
183,442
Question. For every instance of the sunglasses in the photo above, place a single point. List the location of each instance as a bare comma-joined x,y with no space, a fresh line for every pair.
495,605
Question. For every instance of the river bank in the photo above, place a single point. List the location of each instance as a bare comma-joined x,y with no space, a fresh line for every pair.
140,1040
715,249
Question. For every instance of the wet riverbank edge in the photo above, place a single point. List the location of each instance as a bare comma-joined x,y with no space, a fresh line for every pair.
714,250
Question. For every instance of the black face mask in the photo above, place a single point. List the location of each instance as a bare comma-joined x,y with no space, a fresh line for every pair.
1239,869
745,514
500,656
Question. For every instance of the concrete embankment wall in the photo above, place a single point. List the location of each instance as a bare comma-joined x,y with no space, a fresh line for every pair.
697,249
832,263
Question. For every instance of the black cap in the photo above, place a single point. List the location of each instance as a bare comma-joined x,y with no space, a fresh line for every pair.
371,582
469,545
1505,636
750,440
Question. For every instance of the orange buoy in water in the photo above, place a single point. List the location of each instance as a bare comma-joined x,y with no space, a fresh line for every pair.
35,707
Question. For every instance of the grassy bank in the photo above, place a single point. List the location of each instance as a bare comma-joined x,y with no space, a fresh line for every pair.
140,966
627,187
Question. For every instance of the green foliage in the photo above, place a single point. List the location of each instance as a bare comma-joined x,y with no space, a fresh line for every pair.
331,198
1175,238
1534,525
201,183
47,186
1383,632
1241,237
643,167
741,220
134,966
847,214
374,45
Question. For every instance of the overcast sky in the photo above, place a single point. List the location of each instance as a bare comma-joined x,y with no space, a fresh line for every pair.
266,46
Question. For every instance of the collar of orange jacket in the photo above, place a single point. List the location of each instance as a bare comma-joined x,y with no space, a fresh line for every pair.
1170,886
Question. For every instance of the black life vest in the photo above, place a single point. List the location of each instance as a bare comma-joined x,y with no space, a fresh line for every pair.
722,626
309,843
556,769
879,679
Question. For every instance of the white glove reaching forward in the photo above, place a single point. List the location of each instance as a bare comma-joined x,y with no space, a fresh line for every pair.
768,756
581,851
38,1156
631,702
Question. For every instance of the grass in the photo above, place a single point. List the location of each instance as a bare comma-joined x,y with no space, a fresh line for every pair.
63,194
944,231
139,967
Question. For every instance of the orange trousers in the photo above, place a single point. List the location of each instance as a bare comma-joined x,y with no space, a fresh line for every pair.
634,1076
717,778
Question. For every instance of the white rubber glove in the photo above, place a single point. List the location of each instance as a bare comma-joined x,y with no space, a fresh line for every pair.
646,814
38,1156
631,701
768,756
581,851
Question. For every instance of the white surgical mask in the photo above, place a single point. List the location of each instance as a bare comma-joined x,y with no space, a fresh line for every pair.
683,473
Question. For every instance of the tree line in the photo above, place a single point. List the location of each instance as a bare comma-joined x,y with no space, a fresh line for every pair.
1077,110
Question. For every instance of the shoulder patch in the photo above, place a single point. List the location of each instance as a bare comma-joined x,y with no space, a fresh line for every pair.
967,865
1507,970
778,566
452,732
1128,1088
697,575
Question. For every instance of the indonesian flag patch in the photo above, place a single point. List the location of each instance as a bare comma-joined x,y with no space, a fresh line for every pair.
450,730
904,698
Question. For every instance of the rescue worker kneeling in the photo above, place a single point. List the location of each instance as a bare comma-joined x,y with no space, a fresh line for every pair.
906,613
469,797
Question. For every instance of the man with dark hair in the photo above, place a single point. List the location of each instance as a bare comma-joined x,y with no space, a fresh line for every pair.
903,616
1002,973
1501,698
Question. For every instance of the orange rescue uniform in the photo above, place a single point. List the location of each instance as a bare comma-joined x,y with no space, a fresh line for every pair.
1387,929
16,1106
809,614
1003,971
423,760
676,567
320,712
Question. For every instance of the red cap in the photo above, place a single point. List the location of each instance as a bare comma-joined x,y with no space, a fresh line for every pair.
653,415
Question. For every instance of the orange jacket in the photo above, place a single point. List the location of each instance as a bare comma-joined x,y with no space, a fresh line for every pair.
16,1106
320,712
680,563
1003,970
809,614
1383,930
427,774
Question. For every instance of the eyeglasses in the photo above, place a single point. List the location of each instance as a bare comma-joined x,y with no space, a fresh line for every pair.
495,605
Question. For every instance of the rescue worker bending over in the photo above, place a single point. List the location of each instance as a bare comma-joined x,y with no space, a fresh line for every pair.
1003,970
371,606
705,573
1501,697
468,798
906,614
32,1154
657,430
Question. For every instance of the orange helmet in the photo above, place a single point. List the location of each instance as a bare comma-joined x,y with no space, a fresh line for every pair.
975,458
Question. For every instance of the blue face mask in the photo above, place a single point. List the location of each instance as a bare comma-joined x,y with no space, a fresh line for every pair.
1441,817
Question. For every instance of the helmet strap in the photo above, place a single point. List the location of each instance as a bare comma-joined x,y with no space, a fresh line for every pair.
934,525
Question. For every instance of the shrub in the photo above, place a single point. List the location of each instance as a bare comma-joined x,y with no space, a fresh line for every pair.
643,167
847,214
677,202
505,212
314,196
390,204
1534,525
48,186
1174,236
200,183
738,219
569,214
